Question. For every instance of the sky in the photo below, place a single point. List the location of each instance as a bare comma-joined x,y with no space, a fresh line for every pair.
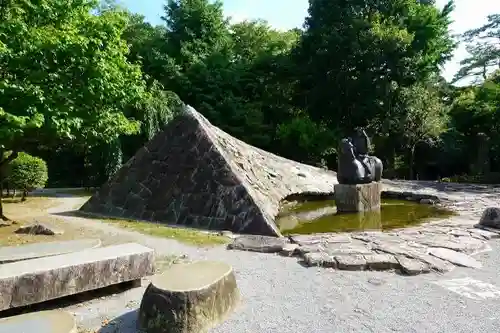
287,14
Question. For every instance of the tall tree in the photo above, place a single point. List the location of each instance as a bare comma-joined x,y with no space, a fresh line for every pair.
196,29
355,56
483,46
423,119
65,76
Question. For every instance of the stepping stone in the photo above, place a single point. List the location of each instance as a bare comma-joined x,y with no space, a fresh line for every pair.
189,298
257,243
39,250
54,321
37,280
412,266
457,258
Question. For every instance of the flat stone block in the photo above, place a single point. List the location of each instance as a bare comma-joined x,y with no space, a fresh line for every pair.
54,321
38,280
257,243
358,198
457,258
189,298
40,250
351,262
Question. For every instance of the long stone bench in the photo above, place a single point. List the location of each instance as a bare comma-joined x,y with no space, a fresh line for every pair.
54,321
38,280
10,254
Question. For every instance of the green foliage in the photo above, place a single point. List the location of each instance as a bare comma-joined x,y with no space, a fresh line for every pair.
64,74
98,82
355,56
484,52
27,172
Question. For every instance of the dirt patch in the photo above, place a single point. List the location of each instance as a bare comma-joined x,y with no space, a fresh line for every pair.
35,210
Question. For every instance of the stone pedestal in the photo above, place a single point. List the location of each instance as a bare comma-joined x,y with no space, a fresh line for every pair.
358,198
370,220
189,298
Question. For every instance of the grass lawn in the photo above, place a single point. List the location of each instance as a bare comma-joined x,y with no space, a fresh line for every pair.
35,210
183,235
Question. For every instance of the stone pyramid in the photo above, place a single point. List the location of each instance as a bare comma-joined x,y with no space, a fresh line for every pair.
194,174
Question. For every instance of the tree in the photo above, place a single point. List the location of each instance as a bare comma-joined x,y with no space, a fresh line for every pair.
196,29
484,50
27,173
65,76
423,119
355,56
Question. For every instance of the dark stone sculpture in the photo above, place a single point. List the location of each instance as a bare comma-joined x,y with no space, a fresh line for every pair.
355,166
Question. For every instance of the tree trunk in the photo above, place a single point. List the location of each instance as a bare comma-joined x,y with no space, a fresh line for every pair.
24,195
3,164
1,196
410,164
3,217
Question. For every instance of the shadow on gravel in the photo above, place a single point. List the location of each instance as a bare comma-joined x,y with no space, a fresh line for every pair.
126,323
69,213
70,300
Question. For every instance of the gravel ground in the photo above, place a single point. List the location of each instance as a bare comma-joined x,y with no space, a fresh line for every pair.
279,295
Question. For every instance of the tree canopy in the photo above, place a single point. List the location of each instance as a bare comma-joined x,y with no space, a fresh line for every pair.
84,84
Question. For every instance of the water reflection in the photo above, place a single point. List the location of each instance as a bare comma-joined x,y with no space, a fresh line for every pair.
321,216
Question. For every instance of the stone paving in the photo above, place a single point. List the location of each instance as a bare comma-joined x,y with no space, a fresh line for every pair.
437,246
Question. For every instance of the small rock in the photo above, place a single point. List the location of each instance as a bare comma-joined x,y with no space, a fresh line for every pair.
459,232
427,202
301,250
483,233
228,234
289,250
491,218
381,261
455,257
412,266
376,282
319,259
38,229
351,262
4,224
256,243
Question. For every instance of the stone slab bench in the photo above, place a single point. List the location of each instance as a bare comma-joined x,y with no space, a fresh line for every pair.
189,298
54,321
38,280
38,250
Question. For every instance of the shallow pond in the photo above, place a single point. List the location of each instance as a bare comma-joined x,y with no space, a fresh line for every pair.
321,216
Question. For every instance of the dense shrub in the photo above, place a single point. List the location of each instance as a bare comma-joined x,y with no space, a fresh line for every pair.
27,173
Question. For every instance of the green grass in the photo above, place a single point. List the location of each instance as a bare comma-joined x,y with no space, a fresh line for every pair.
183,235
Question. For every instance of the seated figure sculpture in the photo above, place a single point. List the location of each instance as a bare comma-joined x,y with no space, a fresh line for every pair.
355,165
